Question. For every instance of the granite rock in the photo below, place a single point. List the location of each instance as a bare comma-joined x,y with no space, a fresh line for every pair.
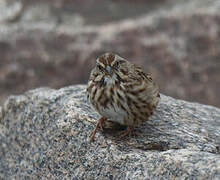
44,134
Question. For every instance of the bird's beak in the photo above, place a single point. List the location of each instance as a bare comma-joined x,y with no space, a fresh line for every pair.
108,69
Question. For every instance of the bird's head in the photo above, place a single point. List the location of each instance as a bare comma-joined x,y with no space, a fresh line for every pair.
111,68
108,64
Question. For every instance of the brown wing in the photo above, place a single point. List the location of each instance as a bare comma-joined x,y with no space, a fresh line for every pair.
147,88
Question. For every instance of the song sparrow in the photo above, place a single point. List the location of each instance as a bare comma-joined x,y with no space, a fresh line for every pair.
121,92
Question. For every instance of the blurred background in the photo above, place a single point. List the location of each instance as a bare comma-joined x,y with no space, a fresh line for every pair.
55,43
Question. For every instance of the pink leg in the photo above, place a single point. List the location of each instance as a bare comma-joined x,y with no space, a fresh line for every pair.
126,132
99,124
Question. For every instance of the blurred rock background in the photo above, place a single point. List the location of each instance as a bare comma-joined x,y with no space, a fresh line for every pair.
55,43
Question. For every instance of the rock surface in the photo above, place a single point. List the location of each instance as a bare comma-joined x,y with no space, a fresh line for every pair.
178,42
44,134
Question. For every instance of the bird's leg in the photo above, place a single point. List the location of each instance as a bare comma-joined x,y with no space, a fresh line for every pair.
98,124
126,132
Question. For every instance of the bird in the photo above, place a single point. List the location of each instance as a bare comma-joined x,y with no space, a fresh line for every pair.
121,92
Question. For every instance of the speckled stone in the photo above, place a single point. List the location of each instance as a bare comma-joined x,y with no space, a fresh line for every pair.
44,134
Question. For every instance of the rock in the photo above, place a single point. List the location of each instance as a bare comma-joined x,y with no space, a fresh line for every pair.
44,134
177,42
10,10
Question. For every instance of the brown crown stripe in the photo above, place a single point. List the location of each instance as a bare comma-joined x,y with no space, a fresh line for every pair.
107,59
102,60
110,58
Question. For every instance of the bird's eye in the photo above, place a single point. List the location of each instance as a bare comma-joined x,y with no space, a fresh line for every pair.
100,68
116,65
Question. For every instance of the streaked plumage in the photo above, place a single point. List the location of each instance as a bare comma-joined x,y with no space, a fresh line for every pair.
121,92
